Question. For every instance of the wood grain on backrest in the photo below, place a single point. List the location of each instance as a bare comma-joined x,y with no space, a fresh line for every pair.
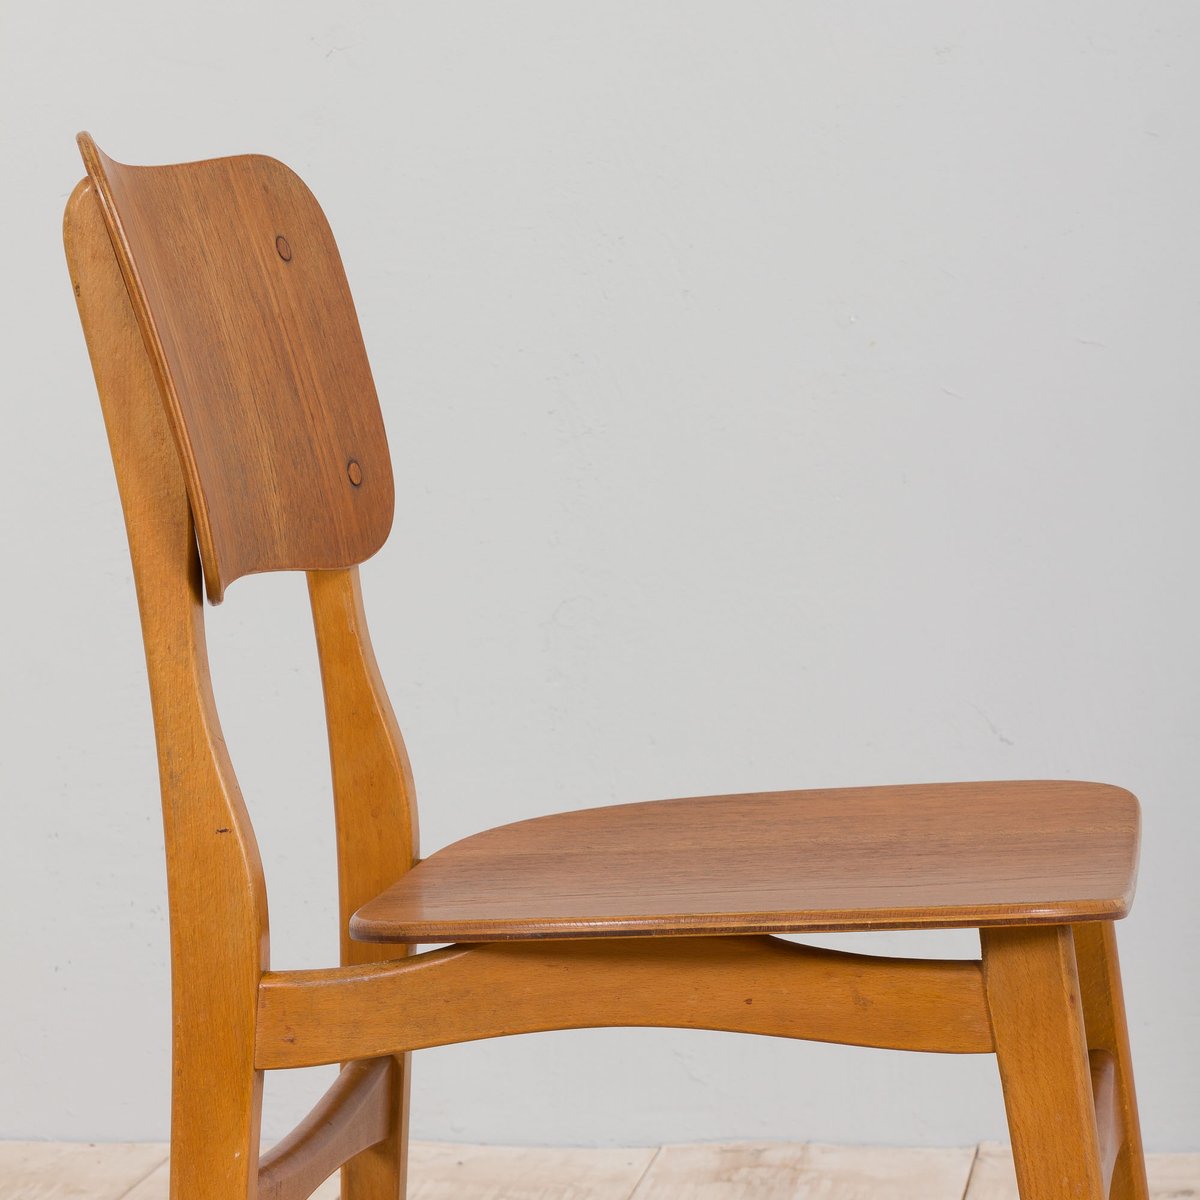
273,412
242,301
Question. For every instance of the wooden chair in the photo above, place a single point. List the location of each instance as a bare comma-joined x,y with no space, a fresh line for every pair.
246,435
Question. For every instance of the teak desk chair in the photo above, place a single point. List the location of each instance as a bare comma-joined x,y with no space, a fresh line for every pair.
247,436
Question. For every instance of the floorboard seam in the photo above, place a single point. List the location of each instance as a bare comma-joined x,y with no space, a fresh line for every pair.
971,1173
642,1177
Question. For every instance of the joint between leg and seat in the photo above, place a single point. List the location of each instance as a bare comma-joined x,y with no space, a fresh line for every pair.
1033,995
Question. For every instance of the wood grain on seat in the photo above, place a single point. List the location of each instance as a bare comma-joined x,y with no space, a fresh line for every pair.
937,855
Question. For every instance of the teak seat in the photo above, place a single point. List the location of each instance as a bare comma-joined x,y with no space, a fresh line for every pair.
246,436
778,862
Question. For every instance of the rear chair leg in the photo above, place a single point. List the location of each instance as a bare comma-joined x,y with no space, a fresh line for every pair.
1037,1019
380,1172
1104,1016
215,1114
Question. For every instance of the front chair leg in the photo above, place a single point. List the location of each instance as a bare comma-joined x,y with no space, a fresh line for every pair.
1104,1015
380,1172
1041,1044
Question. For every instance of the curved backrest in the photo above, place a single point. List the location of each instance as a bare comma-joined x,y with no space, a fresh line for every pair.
234,394
242,301
235,390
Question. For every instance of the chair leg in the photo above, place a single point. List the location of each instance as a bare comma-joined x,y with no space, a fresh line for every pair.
215,1119
1104,1017
380,1172
1037,1019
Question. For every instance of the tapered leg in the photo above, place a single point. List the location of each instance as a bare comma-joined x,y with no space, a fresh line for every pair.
1037,1018
380,1172
1104,1017
216,1108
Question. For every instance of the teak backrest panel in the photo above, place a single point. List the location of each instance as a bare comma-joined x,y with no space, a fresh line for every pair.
374,798
240,294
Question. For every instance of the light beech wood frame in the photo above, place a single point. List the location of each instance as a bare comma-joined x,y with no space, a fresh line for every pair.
1045,995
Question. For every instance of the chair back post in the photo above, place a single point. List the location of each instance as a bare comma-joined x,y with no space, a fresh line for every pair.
237,286
246,436
373,795
217,894
376,820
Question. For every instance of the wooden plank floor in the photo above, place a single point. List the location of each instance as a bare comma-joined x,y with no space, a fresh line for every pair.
1172,1176
62,1170
740,1171
793,1171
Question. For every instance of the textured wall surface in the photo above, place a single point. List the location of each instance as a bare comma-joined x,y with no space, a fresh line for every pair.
781,395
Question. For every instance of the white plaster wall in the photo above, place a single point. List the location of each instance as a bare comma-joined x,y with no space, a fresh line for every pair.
781,395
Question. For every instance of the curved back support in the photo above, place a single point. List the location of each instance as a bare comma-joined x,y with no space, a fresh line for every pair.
239,291
218,900
258,375
218,410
